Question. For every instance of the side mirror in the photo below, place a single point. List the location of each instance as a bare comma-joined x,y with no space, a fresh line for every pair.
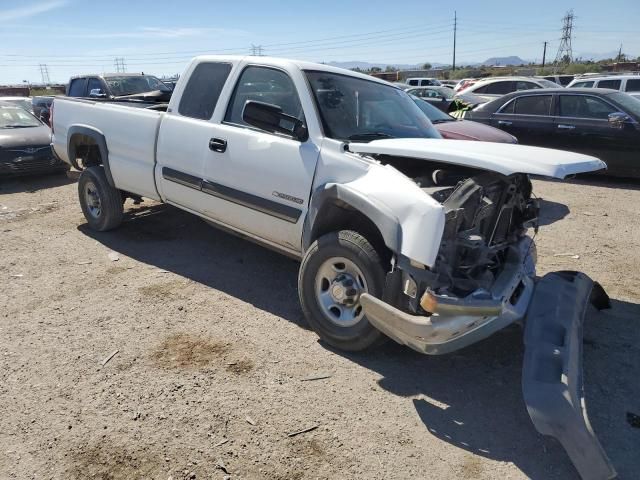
618,119
97,93
271,118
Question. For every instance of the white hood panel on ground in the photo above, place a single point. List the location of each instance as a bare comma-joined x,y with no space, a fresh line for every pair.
498,157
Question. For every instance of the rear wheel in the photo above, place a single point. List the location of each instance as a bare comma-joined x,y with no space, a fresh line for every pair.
335,271
100,202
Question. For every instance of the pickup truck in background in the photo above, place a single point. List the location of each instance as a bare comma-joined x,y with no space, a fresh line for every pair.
136,88
400,233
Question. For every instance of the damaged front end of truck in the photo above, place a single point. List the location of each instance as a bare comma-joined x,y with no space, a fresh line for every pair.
482,278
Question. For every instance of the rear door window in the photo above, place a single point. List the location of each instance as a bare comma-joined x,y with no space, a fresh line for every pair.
613,84
633,85
582,106
76,88
203,89
533,105
500,88
565,80
520,85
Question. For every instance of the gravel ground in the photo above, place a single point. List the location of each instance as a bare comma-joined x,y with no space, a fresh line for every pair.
215,367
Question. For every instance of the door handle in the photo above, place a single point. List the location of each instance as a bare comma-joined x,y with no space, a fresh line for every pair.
218,145
566,127
505,122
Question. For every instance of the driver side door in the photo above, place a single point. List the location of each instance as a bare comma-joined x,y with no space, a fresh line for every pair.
257,181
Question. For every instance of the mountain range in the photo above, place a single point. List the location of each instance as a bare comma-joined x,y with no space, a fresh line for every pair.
508,60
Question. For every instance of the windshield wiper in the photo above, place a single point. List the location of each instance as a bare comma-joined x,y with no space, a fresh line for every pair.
17,126
443,120
369,136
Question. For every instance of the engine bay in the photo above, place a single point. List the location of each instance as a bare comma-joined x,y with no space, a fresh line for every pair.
486,214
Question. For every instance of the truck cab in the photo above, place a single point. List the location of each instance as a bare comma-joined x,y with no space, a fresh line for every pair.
119,86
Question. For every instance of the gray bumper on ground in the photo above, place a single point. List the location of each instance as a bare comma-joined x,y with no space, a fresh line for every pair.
552,373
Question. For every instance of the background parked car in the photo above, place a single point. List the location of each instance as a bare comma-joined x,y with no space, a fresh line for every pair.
25,143
439,97
599,122
454,129
623,83
423,82
463,83
119,86
488,89
22,102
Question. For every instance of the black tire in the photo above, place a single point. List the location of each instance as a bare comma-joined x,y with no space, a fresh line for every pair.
93,186
354,247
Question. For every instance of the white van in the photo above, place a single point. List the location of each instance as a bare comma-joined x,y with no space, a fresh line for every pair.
624,83
423,82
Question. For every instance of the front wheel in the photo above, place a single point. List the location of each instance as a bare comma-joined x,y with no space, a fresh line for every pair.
335,271
100,202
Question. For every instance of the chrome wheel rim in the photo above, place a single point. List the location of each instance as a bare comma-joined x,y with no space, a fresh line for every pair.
338,286
92,199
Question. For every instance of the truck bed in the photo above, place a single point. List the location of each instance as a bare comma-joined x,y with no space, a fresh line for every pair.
130,135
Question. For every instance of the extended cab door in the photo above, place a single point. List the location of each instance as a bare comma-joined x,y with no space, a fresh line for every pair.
257,181
528,118
184,135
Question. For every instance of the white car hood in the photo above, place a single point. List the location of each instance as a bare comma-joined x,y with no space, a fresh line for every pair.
503,158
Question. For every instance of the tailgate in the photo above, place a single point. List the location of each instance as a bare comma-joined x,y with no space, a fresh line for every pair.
552,381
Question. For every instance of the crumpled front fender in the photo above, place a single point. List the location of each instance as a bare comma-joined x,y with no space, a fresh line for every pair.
552,381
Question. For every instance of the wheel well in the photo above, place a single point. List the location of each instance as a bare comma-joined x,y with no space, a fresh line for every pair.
341,216
86,149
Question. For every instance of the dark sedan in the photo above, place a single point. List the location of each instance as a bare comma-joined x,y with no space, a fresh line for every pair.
439,97
599,122
25,144
454,129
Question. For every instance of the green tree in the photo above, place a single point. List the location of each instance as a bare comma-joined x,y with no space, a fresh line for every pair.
426,66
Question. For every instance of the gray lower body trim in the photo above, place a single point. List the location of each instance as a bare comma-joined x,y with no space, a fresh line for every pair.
254,202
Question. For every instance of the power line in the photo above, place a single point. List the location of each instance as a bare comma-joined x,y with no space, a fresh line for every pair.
256,50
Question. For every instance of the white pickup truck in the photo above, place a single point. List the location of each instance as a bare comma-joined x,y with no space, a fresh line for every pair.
400,233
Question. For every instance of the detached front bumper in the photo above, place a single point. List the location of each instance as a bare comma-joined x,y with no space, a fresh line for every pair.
553,309
458,322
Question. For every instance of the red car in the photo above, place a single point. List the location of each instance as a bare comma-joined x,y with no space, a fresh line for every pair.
454,129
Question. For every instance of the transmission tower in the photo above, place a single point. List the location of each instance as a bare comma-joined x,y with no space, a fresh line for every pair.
44,72
120,65
257,50
565,53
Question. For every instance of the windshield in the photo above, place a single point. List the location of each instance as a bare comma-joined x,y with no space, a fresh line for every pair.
356,109
131,85
15,117
434,115
21,102
626,101
548,83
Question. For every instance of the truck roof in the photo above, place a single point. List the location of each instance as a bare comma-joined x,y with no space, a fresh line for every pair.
107,75
285,62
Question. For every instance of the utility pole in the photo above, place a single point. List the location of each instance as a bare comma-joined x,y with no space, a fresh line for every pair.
44,73
455,30
619,57
565,53
544,54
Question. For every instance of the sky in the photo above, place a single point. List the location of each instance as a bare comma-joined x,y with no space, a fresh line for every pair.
74,37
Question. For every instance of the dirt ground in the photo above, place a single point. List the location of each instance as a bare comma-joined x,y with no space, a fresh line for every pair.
215,366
